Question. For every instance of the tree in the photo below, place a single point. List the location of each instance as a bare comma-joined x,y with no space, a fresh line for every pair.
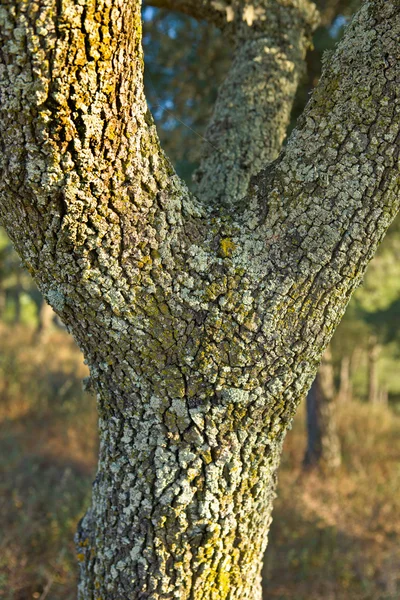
182,79
323,444
202,318
369,328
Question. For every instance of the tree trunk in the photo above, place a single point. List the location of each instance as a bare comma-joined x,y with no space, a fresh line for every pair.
16,298
373,383
45,316
323,447
202,319
3,299
181,503
345,386
383,396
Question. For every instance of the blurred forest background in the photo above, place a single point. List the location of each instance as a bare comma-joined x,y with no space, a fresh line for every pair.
336,524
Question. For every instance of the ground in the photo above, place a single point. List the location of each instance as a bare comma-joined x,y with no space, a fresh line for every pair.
334,536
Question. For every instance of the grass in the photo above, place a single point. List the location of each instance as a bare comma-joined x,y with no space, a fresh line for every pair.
334,535
47,457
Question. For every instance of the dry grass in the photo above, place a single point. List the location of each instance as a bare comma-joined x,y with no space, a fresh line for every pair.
47,455
334,536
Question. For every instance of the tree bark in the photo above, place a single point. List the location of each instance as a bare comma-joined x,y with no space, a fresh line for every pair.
202,319
181,503
323,444
269,41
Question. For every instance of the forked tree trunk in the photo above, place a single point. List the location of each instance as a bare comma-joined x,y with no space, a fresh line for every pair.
323,443
202,319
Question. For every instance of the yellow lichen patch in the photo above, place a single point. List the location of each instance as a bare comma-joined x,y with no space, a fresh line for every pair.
83,543
223,581
226,247
206,456
145,262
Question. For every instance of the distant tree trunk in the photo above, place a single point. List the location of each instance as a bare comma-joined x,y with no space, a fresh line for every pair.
45,317
373,386
2,301
16,296
323,441
383,396
345,387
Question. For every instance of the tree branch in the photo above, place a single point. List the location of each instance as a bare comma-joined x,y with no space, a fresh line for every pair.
252,112
334,191
254,103
81,167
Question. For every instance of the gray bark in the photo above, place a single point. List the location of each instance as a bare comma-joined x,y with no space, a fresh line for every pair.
202,323
269,39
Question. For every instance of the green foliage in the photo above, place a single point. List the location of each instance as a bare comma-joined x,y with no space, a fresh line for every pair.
19,296
374,314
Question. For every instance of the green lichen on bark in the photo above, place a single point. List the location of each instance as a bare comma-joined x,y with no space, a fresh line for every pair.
202,322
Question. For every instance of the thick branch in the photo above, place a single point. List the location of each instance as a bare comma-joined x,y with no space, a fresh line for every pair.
252,112
332,194
81,167
254,103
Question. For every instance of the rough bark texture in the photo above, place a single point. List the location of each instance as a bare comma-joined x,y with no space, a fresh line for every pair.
254,103
269,40
202,324
323,447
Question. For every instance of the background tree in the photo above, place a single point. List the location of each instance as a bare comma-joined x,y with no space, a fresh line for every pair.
368,331
323,444
202,319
